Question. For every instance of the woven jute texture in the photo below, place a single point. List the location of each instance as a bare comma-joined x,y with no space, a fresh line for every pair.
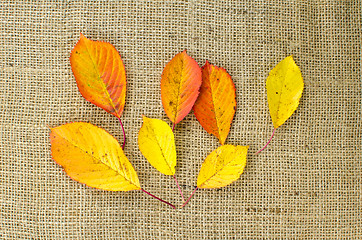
305,185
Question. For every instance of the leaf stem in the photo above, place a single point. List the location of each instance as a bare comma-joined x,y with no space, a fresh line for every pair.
183,199
158,198
189,197
266,143
124,134
174,177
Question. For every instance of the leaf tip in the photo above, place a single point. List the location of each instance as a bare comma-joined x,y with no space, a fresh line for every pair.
207,63
81,35
144,118
290,58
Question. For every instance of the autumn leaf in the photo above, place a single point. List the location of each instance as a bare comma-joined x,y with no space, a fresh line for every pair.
90,155
215,106
100,74
157,144
284,89
180,83
221,167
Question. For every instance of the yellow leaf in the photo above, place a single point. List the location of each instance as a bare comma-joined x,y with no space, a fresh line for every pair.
222,167
284,87
91,155
156,142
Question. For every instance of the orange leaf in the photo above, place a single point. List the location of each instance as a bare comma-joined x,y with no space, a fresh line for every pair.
91,155
180,83
100,74
215,107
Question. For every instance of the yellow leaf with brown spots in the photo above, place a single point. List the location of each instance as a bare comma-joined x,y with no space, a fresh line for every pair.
92,156
284,88
222,167
156,142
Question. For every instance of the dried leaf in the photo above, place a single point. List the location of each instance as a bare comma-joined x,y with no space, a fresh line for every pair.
100,74
222,167
284,87
180,83
90,155
215,106
157,144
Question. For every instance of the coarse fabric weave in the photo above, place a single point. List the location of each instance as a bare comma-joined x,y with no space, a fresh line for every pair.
305,185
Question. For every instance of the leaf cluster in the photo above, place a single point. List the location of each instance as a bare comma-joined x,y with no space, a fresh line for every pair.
92,156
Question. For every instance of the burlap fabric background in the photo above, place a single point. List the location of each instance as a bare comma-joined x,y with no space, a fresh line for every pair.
306,184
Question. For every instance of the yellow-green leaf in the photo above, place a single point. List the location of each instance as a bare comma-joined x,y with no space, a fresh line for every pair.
92,156
284,88
157,144
222,167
